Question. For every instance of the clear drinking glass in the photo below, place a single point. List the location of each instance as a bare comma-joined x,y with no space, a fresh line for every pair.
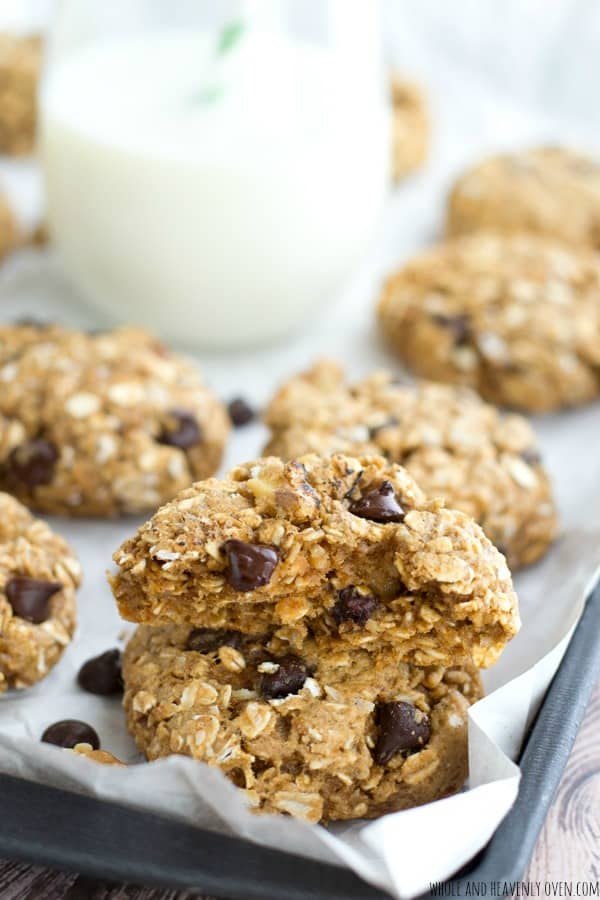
214,169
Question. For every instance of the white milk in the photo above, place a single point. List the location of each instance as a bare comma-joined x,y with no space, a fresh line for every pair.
216,202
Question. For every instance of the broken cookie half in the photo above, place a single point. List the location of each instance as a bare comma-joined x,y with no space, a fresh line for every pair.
343,547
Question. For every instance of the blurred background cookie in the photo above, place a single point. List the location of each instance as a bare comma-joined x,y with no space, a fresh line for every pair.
549,190
20,61
10,231
410,126
517,317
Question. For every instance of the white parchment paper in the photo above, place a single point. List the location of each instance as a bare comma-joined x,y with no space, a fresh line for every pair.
404,852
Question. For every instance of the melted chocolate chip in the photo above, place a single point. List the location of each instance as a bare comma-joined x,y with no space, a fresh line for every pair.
208,640
288,678
183,431
401,728
352,606
459,326
33,462
249,566
69,732
30,597
240,412
379,505
102,674
531,456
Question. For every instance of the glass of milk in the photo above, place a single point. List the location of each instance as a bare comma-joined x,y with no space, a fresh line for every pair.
214,170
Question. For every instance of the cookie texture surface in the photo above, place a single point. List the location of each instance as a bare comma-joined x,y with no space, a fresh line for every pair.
348,547
516,317
453,444
101,424
39,575
20,60
322,736
410,127
552,191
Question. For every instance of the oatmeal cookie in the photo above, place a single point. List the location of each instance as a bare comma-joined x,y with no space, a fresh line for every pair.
553,191
347,547
101,424
20,61
453,444
410,127
329,735
10,232
38,578
517,317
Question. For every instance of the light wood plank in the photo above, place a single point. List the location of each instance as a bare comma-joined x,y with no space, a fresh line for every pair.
569,845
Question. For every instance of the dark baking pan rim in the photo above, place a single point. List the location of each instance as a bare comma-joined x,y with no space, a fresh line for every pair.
69,831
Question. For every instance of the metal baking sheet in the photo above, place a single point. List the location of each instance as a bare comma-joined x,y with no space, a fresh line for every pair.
68,831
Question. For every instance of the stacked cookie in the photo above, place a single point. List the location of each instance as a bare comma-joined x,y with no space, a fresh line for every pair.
314,629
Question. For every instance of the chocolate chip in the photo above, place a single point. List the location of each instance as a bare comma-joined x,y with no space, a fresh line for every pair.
352,606
379,505
102,674
459,327
240,412
33,462
69,732
288,678
531,456
401,727
208,640
183,431
30,597
249,566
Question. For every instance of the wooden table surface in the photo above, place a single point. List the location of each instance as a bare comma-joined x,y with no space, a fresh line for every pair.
568,848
